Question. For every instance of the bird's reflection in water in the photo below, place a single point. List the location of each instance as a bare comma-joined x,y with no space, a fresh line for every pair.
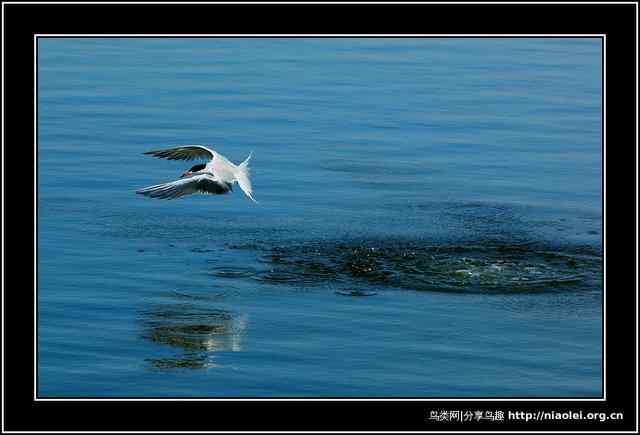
198,332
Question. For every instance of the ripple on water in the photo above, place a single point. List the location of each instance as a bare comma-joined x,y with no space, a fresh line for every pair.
479,267
277,276
201,250
289,277
355,293
232,272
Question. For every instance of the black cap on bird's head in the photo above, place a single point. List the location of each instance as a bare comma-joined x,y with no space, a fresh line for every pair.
195,168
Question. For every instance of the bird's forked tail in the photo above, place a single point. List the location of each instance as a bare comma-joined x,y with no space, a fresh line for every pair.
242,176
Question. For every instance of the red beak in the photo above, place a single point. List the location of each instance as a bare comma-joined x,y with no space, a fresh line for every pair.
186,174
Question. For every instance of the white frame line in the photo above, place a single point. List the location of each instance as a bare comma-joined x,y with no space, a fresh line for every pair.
319,399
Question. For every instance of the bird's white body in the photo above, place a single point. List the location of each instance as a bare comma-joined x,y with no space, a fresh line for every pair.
222,168
216,177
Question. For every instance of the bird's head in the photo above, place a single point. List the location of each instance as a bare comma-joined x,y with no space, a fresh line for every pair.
195,168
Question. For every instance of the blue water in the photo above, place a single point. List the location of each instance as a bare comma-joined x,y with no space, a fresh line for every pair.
429,220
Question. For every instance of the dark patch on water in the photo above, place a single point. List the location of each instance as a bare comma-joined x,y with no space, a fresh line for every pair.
206,294
487,266
201,250
232,272
355,293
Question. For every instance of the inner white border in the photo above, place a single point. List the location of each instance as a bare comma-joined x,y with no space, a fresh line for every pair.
399,399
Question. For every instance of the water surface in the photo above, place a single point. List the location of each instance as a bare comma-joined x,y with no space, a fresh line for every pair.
429,223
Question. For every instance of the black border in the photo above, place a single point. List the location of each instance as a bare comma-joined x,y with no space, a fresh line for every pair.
21,22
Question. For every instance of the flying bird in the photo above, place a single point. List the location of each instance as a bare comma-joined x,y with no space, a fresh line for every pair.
216,177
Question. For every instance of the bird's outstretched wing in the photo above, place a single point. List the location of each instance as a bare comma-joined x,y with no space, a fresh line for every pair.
184,152
203,183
